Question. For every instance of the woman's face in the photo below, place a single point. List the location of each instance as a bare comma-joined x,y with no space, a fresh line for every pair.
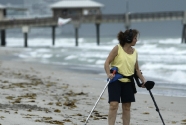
134,41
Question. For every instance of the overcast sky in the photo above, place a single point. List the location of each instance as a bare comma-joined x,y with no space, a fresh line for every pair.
115,6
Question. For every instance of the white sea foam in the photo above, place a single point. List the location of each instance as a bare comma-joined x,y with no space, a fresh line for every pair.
90,60
178,76
155,49
90,55
170,41
161,41
43,50
70,57
155,66
100,61
47,55
23,56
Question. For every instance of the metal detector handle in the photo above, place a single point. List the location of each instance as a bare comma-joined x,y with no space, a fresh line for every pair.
114,72
99,98
137,79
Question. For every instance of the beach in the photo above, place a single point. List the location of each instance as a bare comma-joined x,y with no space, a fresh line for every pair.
41,94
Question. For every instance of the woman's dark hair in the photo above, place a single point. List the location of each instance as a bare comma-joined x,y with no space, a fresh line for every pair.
123,35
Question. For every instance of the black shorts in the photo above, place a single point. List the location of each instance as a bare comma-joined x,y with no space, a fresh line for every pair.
118,90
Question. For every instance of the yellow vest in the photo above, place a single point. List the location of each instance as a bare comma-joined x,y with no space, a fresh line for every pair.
125,63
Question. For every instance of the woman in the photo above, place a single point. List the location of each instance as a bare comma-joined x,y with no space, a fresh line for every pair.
124,57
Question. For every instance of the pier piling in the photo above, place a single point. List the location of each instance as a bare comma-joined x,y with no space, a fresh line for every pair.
25,39
97,33
184,34
76,35
25,30
3,37
53,35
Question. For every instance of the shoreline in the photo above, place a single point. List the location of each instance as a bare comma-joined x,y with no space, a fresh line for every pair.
161,87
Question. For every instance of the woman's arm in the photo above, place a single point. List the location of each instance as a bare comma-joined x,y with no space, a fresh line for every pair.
139,74
110,58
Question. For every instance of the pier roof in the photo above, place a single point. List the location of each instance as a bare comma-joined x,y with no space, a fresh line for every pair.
76,4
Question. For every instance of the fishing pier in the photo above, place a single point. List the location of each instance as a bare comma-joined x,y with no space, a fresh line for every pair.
84,13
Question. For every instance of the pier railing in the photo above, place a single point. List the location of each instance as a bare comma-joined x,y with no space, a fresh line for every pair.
104,18
126,18
134,17
32,22
155,16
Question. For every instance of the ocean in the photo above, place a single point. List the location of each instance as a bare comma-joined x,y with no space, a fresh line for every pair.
162,60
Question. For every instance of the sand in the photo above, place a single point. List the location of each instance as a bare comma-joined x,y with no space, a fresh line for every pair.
41,94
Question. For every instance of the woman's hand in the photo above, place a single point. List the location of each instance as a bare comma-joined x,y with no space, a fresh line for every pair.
143,85
111,75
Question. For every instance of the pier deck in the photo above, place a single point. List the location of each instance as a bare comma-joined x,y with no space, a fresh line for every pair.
126,18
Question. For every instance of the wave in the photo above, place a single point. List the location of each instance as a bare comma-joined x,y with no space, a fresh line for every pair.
172,73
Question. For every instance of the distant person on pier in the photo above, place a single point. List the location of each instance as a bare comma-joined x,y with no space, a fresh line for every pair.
124,58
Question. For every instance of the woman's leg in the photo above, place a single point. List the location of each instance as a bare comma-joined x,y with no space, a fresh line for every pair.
126,113
112,112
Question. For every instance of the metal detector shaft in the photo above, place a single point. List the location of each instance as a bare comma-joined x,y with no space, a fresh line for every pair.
99,98
157,109
97,101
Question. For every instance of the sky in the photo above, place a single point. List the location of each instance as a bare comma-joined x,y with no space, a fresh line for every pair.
142,5
147,29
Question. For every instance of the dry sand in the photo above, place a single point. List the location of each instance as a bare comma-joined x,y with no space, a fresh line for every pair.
41,94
